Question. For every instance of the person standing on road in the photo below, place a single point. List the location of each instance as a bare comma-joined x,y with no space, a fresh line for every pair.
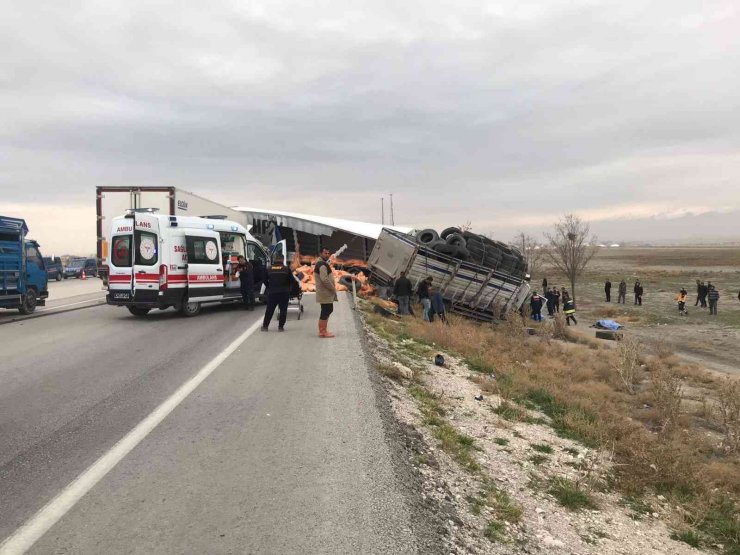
622,292
326,291
424,298
536,304
246,282
608,290
569,309
403,290
713,297
279,281
681,299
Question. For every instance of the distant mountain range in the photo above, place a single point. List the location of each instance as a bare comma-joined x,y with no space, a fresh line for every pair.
694,229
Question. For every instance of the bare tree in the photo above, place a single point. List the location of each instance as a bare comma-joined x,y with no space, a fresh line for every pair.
530,250
571,248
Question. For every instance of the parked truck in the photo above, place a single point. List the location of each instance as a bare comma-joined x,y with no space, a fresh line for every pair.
112,202
481,292
23,278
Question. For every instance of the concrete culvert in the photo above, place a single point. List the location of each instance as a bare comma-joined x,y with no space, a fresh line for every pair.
427,236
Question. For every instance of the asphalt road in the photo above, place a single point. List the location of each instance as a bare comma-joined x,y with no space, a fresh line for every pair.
281,449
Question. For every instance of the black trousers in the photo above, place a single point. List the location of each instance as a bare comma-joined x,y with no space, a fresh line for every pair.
570,317
326,310
608,295
276,300
247,290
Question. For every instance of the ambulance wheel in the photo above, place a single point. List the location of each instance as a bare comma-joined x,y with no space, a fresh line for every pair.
138,311
29,303
190,309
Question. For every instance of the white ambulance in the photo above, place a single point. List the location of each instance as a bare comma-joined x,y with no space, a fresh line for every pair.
161,261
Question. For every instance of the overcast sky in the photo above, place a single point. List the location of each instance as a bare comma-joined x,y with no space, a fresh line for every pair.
506,114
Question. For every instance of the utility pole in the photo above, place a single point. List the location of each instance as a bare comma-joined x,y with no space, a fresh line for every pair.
393,220
382,211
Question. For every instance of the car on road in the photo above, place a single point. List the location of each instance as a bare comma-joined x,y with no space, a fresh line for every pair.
54,267
77,265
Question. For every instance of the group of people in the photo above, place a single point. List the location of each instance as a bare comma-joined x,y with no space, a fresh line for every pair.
430,299
552,300
707,295
637,289
281,284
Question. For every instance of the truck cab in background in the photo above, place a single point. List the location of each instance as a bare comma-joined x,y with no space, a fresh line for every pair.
23,278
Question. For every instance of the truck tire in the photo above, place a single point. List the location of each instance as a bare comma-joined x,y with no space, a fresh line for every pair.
190,308
28,304
449,231
138,311
443,248
455,239
59,276
427,237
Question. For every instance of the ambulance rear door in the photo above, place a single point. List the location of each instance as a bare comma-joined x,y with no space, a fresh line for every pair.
147,257
205,268
120,260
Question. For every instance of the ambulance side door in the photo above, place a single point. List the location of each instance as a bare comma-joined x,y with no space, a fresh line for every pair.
205,269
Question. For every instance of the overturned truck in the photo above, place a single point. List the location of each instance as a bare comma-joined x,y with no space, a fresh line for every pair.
477,277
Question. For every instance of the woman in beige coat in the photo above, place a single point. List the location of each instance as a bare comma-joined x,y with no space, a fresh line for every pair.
326,291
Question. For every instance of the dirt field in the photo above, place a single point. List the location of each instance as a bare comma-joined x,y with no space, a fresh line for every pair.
713,342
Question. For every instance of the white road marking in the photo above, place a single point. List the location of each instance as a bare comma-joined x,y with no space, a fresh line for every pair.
29,533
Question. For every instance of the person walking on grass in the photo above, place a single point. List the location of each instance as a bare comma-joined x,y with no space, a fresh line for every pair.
279,281
637,289
424,297
681,299
403,290
622,292
326,291
536,304
698,293
569,309
608,290
550,302
713,297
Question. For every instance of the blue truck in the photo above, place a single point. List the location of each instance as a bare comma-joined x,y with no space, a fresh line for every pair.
23,279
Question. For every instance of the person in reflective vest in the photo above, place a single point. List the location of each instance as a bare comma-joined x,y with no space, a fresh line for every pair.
279,281
569,308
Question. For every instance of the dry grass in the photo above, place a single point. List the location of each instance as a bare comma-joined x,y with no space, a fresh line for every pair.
575,386
728,414
627,363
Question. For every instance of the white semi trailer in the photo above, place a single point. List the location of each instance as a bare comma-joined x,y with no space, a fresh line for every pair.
112,202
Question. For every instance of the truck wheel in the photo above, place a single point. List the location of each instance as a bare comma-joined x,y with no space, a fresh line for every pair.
190,309
29,303
427,237
138,311
455,239
449,231
59,276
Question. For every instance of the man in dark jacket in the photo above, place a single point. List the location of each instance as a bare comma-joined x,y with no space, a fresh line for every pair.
698,293
713,297
608,290
622,292
703,290
246,282
279,280
403,290
637,289
556,299
536,304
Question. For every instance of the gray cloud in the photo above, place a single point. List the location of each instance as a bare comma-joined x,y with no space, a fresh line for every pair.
488,113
